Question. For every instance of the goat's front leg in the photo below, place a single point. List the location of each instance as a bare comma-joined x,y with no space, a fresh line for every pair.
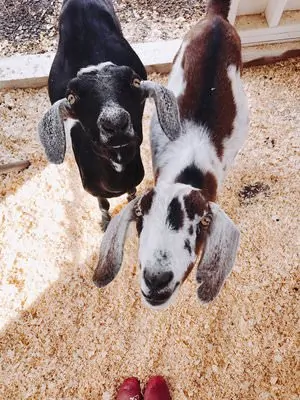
104,207
131,194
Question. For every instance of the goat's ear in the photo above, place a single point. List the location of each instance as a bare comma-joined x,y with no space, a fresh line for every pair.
166,106
111,249
218,256
52,132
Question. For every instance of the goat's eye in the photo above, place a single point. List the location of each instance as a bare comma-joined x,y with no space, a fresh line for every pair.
136,82
71,99
205,221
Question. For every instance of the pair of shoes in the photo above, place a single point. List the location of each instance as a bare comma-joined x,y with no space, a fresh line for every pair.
156,389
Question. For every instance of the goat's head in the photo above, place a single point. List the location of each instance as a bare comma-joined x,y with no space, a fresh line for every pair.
108,102
178,229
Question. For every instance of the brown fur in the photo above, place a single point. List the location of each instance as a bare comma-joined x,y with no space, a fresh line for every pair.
145,205
213,45
194,204
188,271
210,186
219,7
146,201
200,242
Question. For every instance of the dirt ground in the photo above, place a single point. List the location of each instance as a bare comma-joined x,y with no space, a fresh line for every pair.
62,338
30,26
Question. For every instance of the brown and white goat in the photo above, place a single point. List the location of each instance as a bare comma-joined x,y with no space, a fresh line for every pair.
178,222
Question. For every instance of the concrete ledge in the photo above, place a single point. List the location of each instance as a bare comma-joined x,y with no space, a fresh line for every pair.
24,71
31,71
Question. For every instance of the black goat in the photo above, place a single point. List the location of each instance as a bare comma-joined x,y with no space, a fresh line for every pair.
94,81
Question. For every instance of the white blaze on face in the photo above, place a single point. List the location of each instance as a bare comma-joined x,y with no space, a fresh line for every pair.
168,237
68,125
92,68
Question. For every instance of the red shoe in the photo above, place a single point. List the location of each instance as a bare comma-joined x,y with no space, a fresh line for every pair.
157,389
130,390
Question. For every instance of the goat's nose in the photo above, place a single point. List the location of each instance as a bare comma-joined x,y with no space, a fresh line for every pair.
157,280
114,120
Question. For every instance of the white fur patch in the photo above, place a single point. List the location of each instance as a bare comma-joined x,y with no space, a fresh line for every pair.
68,125
92,68
193,147
176,81
117,167
239,133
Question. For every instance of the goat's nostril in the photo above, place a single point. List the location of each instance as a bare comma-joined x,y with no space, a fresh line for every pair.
123,121
122,126
166,277
159,280
107,125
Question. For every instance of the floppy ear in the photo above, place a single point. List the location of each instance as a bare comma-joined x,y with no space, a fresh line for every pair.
166,106
218,256
111,249
52,132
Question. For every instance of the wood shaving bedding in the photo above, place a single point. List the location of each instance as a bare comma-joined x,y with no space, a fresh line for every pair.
62,338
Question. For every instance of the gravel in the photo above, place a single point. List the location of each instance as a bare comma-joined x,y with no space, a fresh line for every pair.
30,26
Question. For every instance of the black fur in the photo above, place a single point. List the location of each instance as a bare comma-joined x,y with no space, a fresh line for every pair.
175,215
89,34
191,175
187,246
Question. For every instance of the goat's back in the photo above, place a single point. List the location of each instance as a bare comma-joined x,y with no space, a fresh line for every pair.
201,79
89,34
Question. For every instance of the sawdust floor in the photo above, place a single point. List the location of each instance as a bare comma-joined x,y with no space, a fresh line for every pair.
62,338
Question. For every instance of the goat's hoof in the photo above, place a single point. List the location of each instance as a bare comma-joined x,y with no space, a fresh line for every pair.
105,221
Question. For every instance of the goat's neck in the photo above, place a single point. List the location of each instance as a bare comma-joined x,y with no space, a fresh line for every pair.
191,160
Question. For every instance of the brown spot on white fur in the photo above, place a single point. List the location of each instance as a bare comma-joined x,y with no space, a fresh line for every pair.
207,182
194,204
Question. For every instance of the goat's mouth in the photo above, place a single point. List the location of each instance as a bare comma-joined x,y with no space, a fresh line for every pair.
118,153
120,146
156,301
159,298
122,141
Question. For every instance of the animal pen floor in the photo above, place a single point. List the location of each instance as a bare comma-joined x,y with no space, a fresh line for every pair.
62,338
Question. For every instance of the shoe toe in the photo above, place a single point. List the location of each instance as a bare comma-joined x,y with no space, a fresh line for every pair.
157,389
130,390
